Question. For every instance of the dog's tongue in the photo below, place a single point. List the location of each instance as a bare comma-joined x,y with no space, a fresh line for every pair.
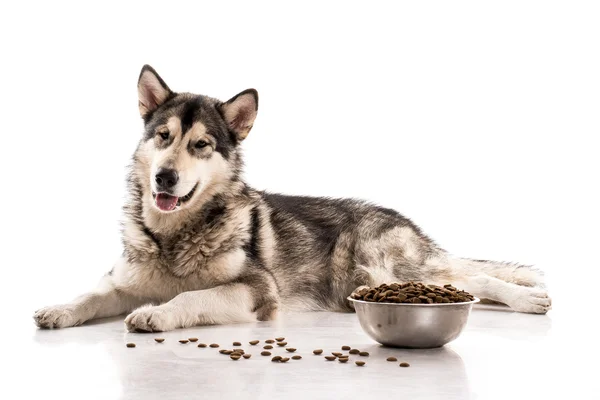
166,202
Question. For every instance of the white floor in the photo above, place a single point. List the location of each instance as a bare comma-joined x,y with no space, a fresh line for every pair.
501,354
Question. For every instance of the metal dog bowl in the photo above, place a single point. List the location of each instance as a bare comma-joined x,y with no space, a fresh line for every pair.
418,326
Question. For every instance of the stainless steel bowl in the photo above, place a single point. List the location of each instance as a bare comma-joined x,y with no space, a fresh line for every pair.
419,326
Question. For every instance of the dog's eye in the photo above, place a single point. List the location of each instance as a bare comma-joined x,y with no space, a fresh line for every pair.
201,144
164,135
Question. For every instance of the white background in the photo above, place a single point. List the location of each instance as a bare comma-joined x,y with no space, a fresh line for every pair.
477,120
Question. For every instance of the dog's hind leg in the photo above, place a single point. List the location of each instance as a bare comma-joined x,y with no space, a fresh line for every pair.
519,287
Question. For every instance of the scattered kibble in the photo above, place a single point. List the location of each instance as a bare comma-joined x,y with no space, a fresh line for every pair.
276,358
330,358
354,351
359,363
159,340
268,347
269,341
246,356
291,349
392,359
280,339
336,354
183,341
343,359
281,344
265,353
346,347
193,339
404,364
235,356
296,357
130,344
214,345
237,344
364,353
284,359
202,345
254,342
318,351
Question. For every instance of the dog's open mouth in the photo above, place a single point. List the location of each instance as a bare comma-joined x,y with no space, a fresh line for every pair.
167,202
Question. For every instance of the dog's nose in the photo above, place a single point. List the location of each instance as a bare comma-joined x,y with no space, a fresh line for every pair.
166,178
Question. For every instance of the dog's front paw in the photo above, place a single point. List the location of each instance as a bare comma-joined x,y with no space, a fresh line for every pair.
531,300
61,316
151,319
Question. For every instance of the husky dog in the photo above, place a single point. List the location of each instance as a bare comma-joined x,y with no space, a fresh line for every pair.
202,247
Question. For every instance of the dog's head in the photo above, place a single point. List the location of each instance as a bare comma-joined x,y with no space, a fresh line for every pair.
190,142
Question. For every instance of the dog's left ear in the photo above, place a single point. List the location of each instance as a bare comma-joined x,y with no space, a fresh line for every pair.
152,90
239,112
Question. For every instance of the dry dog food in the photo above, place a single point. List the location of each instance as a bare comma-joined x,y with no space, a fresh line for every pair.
202,345
235,356
392,359
346,347
254,342
183,341
247,356
318,351
291,349
193,339
296,357
284,359
280,339
411,292
269,341
364,353
267,347
237,344
159,340
281,344
265,353
214,345
359,363
404,364
276,358
330,358
336,354
354,351
343,359
130,344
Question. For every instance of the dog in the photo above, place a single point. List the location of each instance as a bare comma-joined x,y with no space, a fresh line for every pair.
202,247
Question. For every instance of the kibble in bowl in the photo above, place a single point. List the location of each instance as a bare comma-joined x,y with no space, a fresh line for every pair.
412,315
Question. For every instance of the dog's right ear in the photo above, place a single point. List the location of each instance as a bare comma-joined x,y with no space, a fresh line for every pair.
152,90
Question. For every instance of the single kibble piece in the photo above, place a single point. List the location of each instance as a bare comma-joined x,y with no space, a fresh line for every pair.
183,341
235,356
364,353
318,351
130,344
268,347
343,359
354,351
346,347
281,344
239,351
193,339
280,339
391,359
237,344
202,345
246,356
404,364
336,354
276,358
254,342
285,359
269,341
214,345
159,340
359,363
330,358
265,353
291,349
296,357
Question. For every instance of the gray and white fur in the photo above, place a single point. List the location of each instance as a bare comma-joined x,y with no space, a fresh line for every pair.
202,247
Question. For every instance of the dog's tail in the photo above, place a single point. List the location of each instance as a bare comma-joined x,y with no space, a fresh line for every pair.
524,275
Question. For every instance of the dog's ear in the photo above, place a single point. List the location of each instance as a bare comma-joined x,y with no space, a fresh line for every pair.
239,112
152,90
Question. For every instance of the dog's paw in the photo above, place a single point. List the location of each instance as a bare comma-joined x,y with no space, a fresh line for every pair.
150,319
61,316
531,300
